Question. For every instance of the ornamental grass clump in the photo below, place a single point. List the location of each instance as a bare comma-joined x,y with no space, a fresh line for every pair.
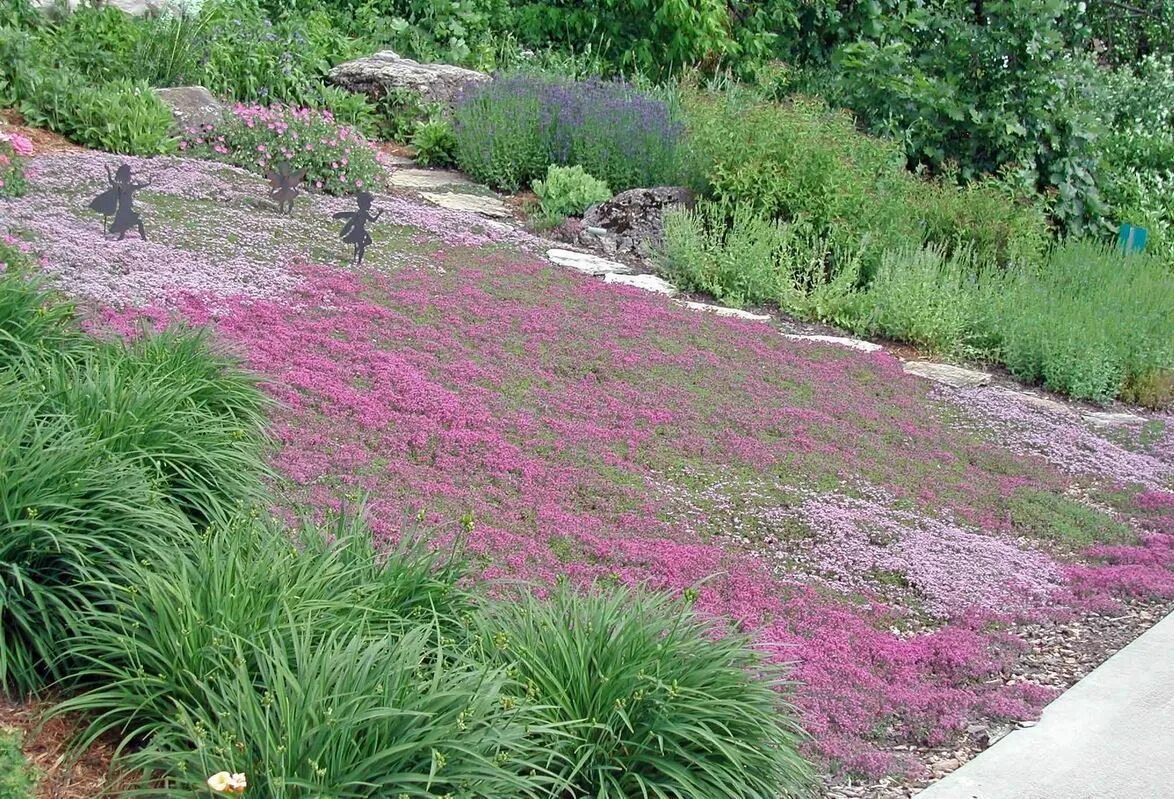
365,686
171,405
511,129
337,158
635,695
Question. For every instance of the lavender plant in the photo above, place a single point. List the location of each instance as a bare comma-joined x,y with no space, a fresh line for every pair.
509,131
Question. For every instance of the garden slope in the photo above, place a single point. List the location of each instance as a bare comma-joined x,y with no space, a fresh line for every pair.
881,534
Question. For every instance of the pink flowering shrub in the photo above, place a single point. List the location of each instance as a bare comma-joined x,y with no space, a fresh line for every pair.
337,158
14,149
15,254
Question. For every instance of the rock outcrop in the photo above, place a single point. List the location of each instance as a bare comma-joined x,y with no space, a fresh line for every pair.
633,220
386,72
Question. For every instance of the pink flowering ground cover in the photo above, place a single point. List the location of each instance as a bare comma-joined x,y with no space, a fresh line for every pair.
867,528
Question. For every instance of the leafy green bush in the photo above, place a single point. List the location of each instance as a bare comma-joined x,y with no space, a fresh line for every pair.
365,684
633,695
435,143
650,36
14,148
17,779
741,257
511,129
568,191
1136,172
923,296
122,116
801,161
337,159
1092,323
1003,86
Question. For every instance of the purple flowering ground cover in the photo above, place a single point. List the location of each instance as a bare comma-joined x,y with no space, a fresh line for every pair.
884,536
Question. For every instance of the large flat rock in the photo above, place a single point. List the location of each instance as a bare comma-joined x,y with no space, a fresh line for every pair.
1110,736
657,285
384,72
587,264
949,375
427,179
838,341
721,310
476,203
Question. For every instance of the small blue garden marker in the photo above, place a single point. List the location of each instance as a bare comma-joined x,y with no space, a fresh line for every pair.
1131,238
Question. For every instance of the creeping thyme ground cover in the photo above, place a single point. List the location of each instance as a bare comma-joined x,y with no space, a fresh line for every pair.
859,524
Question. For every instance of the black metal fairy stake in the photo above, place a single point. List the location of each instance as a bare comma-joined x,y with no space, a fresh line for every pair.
118,202
284,187
355,230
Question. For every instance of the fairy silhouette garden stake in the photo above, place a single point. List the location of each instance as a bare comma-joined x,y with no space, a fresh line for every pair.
284,187
118,202
355,230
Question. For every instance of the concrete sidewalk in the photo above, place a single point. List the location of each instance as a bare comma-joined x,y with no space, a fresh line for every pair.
1111,736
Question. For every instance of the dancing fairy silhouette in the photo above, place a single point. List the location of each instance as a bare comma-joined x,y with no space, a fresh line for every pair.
355,230
118,202
284,187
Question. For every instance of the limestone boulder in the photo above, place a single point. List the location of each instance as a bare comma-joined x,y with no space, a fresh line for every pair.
386,72
192,106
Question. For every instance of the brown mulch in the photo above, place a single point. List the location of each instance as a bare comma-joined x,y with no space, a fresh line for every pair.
44,141
60,775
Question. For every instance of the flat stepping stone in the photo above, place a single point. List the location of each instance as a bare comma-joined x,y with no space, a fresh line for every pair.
396,160
587,264
838,341
1106,419
721,310
477,203
427,179
656,285
949,375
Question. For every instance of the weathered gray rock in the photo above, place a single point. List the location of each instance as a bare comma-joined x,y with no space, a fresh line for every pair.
428,179
386,71
1109,419
135,7
949,375
633,220
586,263
192,106
657,285
477,203
839,341
721,310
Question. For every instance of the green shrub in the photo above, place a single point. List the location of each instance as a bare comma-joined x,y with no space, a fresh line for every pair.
17,779
741,257
337,159
435,143
568,191
365,685
801,161
633,695
511,129
122,116
1091,323
922,296
648,36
